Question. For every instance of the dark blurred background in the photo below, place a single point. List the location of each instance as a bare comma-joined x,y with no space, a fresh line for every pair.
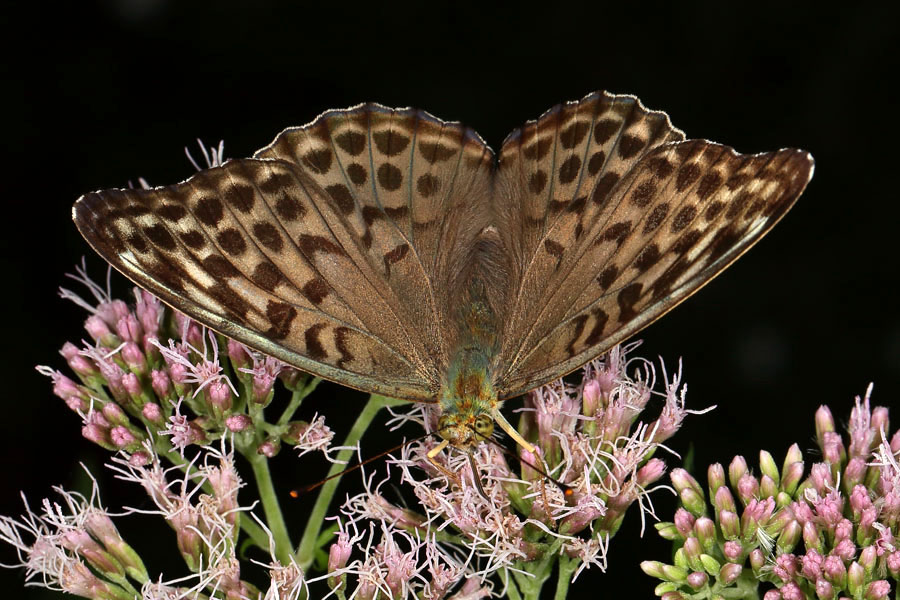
98,94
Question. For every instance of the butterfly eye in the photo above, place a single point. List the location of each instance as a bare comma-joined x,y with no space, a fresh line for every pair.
484,425
443,424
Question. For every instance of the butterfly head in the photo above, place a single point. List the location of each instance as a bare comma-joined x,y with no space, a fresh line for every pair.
465,431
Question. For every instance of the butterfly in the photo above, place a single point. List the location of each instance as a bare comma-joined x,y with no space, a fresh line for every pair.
393,252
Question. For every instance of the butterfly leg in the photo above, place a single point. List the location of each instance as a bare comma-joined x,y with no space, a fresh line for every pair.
509,429
434,452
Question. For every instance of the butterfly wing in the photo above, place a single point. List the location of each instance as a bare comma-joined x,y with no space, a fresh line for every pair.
608,259
322,250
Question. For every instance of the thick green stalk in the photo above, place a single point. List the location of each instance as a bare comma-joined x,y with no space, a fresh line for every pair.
541,571
271,507
567,566
306,550
512,592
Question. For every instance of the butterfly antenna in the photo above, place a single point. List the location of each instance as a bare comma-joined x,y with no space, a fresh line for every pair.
296,493
566,489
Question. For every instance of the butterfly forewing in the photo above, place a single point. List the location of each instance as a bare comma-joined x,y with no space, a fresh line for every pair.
312,252
680,216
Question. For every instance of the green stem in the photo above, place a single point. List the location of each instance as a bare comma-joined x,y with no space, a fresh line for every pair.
297,397
541,570
512,592
271,507
305,553
567,566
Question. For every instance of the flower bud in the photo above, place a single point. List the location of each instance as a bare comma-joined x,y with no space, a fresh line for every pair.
736,470
339,552
100,332
129,328
220,397
101,527
693,501
785,567
811,537
811,565
715,477
269,448
767,487
152,413
591,398
747,488
824,589
856,579
674,574
705,531
77,361
844,549
159,381
878,590
723,500
824,423
239,356
893,563
132,386
697,579
684,522
710,564
867,559
793,455
730,524
768,467
729,573
855,472
692,552
134,358
122,437
757,560
732,550
835,571
792,591
793,475
653,568
141,458
789,537
238,423
99,435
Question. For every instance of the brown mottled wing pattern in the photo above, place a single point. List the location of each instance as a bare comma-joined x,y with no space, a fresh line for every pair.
321,250
616,257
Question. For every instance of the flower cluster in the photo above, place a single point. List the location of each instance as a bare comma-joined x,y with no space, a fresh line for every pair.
150,369
176,403
518,516
831,534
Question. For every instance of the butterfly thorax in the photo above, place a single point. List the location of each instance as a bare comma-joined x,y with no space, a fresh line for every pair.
468,398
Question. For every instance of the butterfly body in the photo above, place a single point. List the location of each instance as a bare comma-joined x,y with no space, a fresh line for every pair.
394,252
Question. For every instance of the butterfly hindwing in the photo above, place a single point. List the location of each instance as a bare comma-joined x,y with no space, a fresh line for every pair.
414,192
554,178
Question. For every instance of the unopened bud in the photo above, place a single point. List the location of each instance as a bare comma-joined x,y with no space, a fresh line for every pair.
238,423
269,448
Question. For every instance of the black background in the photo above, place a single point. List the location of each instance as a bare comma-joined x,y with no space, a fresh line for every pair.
99,94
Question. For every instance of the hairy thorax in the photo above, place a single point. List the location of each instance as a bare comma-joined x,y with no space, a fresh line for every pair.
468,400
